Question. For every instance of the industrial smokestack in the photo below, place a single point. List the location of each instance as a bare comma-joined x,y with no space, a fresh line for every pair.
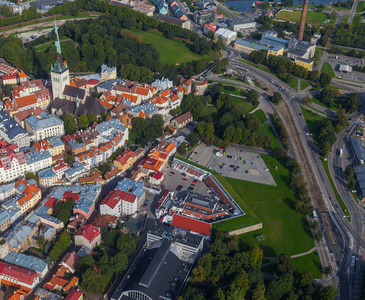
302,20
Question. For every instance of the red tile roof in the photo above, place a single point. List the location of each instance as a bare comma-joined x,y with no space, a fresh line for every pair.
73,295
23,275
51,202
89,232
69,195
191,224
27,113
9,76
158,175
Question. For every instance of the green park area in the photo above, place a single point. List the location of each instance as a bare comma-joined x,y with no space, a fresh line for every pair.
327,68
313,17
309,263
267,129
360,6
172,51
285,230
345,19
304,84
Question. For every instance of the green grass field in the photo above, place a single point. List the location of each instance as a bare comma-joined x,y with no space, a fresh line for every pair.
327,68
304,84
360,6
313,17
345,19
268,131
338,197
311,263
171,51
313,121
247,106
357,19
285,230
260,115
335,106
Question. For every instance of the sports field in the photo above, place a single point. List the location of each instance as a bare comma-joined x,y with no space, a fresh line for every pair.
313,17
171,51
285,230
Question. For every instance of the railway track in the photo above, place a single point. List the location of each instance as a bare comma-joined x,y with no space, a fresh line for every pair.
307,168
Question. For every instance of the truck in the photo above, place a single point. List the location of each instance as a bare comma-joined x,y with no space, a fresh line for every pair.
340,152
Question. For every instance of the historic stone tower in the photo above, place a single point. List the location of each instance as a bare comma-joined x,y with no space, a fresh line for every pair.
302,20
60,75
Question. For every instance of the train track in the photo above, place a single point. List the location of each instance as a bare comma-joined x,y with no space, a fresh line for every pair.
307,169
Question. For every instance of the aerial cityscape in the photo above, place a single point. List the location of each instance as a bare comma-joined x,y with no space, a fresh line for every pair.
168,149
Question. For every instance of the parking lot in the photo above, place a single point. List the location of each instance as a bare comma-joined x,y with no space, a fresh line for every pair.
239,164
174,179
32,35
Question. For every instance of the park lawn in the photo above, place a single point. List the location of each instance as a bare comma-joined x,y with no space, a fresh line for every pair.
208,111
327,68
304,84
171,51
106,281
260,115
360,7
337,195
310,262
285,230
293,83
335,106
234,91
345,19
357,19
313,17
313,122
268,131
247,106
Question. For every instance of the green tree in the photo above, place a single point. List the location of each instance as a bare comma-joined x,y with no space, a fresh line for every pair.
83,121
41,242
30,175
318,235
328,293
103,264
69,159
91,118
305,279
119,262
276,97
84,263
328,270
324,79
111,237
127,243
193,139
182,148
91,281
70,123
258,293
60,246
284,265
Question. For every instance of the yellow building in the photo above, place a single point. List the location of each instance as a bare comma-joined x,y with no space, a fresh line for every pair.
247,47
57,145
126,160
305,63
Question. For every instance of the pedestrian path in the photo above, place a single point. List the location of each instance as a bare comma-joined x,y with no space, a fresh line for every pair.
272,259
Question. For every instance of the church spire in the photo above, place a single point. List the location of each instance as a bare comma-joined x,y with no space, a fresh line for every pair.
59,65
57,41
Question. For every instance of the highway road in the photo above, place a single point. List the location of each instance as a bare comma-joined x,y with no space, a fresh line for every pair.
344,239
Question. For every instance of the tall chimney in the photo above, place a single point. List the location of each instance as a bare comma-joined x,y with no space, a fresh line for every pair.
302,20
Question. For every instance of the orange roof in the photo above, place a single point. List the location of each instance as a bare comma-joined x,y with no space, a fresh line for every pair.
142,114
22,74
152,164
157,100
104,103
180,88
131,98
64,63
26,101
8,104
142,91
72,83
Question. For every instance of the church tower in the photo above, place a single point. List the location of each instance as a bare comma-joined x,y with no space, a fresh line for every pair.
60,75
